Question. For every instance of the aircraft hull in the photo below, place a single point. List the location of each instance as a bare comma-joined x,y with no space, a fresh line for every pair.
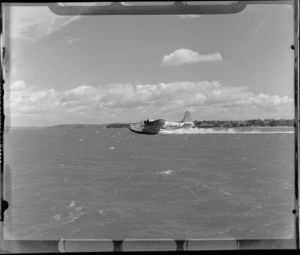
151,128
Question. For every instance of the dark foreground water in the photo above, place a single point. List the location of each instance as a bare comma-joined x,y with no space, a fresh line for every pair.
111,183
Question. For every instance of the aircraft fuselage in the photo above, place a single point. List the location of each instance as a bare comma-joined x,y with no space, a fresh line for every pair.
155,126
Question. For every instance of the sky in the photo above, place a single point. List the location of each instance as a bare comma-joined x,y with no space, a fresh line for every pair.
103,69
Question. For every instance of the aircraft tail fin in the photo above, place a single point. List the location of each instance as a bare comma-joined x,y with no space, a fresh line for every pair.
187,117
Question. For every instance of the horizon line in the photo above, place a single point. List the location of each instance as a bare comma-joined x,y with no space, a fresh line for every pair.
102,124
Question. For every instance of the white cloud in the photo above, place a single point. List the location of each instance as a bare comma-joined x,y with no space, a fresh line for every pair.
209,98
71,40
186,56
18,85
33,23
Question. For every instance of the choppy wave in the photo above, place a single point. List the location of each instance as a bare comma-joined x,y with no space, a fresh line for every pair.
226,131
167,172
74,213
72,204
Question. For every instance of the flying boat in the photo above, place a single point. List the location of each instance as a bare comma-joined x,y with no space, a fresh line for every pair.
156,126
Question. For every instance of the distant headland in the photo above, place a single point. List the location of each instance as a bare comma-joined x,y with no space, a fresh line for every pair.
200,124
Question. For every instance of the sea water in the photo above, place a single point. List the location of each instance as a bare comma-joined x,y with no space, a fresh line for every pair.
112,183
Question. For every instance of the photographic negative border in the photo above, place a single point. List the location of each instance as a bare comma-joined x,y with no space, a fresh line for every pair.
178,8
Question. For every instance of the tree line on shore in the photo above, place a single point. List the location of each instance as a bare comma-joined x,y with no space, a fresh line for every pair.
245,123
229,123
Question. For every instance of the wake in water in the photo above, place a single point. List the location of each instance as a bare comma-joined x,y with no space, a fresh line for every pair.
225,131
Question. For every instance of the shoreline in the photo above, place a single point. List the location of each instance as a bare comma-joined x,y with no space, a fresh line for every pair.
104,127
